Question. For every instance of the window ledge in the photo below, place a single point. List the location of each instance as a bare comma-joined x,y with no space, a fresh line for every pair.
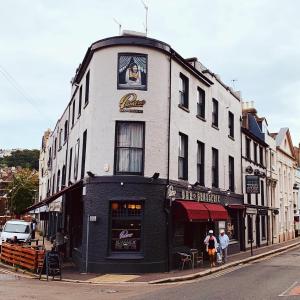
201,118
133,256
215,127
231,137
184,108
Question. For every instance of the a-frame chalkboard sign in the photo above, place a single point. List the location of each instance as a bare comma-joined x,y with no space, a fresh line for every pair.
51,265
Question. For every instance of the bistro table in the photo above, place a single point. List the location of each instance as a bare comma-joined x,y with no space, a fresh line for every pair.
194,253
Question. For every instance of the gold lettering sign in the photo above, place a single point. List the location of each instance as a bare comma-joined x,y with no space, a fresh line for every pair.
130,101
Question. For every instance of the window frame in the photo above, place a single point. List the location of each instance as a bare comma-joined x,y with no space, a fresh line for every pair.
215,173
79,101
141,217
201,165
231,174
200,105
87,89
255,147
215,113
184,94
231,124
143,149
185,171
248,148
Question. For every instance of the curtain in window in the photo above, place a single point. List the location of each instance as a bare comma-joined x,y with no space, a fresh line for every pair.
130,147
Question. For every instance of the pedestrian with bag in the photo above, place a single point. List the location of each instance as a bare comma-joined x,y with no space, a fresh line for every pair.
211,247
224,242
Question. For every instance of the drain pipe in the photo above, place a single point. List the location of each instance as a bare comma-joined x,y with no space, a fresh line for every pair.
168,202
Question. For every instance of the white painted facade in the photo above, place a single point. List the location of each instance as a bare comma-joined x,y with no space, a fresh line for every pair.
286,178
100,114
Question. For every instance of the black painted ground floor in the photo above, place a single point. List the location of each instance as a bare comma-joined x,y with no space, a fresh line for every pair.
133,224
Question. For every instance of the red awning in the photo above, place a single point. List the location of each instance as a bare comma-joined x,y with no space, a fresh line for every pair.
190,211
198,211
216,211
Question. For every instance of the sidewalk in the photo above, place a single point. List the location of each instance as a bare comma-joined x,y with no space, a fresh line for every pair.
70,273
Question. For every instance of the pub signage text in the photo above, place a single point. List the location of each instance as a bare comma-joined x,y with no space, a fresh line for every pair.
252,184
199,196
130,102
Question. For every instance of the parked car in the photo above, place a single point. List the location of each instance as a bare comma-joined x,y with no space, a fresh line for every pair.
19,228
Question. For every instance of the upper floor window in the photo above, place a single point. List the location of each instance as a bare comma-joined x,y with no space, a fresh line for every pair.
129,148
261,155
183,157
73,112
58,181
201,103
76,159
231,174
231,124
200,163
215,168
87,88
184,91
255,152
55,147
66,130
84,140
215,113
60,138
80,101
248,148
262,193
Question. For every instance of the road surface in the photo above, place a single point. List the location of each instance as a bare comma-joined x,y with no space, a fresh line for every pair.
271,278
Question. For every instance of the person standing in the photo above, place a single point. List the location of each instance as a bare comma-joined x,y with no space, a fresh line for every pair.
33,229
224,242
211,247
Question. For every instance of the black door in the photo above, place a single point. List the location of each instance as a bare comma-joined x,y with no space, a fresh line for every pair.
257,231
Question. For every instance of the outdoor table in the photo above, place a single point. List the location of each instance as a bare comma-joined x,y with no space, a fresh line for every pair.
194,253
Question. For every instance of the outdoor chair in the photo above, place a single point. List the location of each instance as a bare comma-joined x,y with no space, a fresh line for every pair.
185,259
199,259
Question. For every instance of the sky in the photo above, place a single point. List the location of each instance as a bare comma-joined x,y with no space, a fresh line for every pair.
42,42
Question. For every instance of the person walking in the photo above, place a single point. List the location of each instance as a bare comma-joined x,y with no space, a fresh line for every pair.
211,247
224,242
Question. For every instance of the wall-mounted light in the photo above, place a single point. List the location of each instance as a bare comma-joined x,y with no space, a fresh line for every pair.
90,174
122,183
155,175
189,187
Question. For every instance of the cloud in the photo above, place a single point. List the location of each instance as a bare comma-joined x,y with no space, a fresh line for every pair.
255,42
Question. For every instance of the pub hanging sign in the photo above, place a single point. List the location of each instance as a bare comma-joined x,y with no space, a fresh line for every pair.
130,103
252,184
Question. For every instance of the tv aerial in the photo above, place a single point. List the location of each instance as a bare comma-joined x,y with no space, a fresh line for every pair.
119,24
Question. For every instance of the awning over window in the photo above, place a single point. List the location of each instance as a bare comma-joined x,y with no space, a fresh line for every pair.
54,197
216,211
198,211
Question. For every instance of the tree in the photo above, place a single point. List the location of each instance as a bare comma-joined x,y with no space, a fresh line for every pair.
23,158
22,190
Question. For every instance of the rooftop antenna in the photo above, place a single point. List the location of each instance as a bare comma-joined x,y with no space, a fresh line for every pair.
233,82
120,25
146,8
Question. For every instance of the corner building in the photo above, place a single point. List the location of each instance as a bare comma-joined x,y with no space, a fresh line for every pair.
145,159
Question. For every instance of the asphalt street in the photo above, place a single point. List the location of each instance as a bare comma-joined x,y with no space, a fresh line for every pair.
271,278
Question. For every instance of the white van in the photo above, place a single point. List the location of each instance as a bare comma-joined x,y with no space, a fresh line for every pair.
19,228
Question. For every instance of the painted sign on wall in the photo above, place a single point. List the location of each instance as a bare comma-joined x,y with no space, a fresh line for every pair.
132,71
129,103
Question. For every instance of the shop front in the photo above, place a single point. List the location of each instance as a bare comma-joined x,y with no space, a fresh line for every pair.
194,213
